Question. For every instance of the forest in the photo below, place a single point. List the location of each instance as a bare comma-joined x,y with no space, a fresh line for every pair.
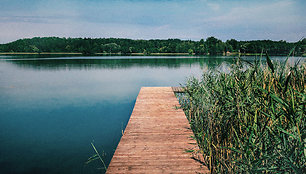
209,46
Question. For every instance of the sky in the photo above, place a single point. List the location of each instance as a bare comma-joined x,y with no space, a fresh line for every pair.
154,19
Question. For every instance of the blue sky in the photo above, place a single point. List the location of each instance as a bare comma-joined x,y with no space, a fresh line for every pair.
154,19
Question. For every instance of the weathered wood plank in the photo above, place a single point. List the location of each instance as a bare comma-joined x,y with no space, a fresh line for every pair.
157,137
178,89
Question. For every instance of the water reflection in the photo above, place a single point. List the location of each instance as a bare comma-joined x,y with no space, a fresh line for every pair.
93,63
116,62
52,108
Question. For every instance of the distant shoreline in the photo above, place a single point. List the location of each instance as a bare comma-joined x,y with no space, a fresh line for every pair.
29,53
128,47
99,54
131,54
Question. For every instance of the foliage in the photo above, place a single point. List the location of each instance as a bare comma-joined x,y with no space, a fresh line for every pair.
87,46
250,120
96,156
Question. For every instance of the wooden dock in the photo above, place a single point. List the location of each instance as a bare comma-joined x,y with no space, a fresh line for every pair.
178,89
157,138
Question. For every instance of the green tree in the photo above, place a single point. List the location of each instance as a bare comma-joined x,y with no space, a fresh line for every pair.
35,49
211,43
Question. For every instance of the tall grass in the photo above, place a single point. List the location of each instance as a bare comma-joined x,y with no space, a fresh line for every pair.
250,120
96,156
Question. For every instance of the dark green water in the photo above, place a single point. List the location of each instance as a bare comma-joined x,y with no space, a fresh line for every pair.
51,109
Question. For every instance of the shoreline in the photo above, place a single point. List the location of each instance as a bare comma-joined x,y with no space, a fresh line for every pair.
135,54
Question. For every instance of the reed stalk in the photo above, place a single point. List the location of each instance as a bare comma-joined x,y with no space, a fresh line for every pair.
252,119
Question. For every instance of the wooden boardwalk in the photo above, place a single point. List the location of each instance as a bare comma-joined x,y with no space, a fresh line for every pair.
178,89
157,137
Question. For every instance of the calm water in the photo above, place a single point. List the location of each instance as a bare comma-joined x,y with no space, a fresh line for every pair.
52,109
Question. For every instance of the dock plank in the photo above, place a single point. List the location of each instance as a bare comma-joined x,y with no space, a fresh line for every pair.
157,137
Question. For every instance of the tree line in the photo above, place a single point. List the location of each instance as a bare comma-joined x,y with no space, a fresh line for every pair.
210,46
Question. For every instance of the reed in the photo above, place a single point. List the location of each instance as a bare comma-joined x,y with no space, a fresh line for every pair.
250,120
96,156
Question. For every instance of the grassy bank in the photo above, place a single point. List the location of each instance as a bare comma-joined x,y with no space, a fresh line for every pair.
250,120
130,54
44,53
145,54
97,54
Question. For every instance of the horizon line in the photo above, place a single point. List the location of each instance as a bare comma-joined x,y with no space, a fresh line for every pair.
148,39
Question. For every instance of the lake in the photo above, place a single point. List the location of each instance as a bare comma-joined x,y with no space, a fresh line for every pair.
51,109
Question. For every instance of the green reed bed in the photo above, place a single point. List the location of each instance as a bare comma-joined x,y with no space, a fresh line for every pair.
250,120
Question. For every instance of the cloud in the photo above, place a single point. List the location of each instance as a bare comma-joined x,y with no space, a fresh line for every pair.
274,20
184,19
214,6
278,12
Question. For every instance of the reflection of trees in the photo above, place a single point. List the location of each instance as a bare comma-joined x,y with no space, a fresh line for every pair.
85,63
94,63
